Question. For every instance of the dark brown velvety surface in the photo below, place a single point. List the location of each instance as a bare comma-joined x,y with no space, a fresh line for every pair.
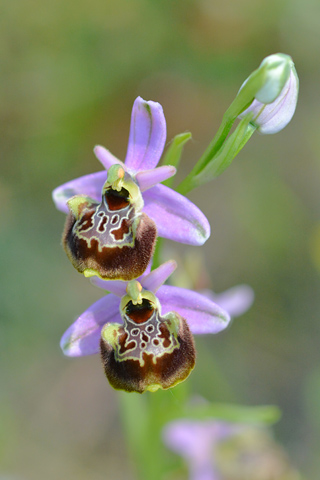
168,370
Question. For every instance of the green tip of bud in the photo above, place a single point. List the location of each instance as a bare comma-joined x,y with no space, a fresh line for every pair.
276,69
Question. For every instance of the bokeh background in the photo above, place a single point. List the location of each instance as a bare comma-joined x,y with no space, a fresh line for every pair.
69,74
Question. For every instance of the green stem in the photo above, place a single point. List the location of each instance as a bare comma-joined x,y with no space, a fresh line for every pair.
135,415
143,418
242,101
209,153
231,147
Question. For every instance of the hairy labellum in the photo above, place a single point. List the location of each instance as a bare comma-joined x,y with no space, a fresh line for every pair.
148,351
112,239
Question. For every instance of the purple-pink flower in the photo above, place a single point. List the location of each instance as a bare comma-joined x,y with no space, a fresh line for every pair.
147,307
196,442
202,314
143,330
219,450
175,216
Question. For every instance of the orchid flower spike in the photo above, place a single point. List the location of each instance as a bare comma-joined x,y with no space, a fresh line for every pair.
115,215
275,102
143,330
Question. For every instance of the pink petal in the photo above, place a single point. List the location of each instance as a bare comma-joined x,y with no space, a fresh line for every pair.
202,315
236,300
147,135
106,157
83,336
176,217
157,277
117,287
149,280
148,178
89,185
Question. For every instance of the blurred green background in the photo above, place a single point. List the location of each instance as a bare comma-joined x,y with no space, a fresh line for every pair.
69,74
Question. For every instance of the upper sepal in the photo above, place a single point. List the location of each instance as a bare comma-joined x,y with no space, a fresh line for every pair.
147,135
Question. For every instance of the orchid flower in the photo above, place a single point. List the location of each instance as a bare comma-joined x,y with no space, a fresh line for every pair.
143,330
196,442
216,450
114,215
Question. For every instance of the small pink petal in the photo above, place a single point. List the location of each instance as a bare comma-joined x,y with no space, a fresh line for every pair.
117,287
157,277
148,178
106,157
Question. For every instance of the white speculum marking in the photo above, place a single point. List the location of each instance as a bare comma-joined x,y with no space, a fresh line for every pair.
103,225
146,338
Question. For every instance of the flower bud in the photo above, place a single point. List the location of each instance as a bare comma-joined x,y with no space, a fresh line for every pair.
149,350
275,102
